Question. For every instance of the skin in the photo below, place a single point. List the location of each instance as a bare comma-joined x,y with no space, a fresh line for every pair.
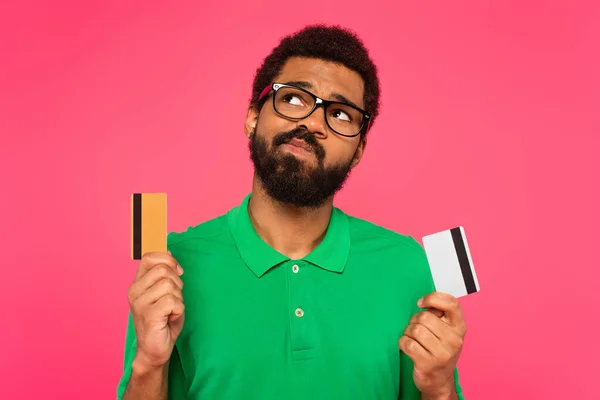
433,338
156,303
295,231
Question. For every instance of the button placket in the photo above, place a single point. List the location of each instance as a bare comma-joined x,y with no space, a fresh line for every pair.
300,322
299,312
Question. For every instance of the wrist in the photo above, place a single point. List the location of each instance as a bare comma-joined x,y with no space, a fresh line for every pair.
446,393
451,396
141,367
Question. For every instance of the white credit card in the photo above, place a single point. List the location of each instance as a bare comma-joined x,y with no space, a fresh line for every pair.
450,262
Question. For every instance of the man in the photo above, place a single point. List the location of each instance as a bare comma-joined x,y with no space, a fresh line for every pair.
286,296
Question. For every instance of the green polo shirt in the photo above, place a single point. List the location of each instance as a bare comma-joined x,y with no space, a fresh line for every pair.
259,325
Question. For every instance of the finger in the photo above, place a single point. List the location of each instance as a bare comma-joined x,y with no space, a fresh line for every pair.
176,319
450,336
413,349
425,338
433,322
437,313
154,275
151,259
443,302
169,306
162,288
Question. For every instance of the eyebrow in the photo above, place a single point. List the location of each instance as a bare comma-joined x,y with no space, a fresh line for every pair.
308,85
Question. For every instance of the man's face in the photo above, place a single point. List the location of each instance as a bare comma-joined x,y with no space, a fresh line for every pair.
305,177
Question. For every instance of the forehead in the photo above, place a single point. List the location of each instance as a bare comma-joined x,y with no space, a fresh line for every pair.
326,78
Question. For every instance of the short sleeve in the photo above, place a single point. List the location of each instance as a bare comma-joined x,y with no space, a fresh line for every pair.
178,385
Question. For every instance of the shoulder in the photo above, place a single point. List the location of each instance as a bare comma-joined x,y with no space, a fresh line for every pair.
399,255
209,230
364,231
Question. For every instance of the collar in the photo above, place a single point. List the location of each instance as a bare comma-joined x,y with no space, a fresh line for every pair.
331,254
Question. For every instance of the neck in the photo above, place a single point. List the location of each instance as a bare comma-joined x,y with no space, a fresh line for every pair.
292,231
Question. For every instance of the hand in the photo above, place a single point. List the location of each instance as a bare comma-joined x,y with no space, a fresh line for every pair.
433,339
157,308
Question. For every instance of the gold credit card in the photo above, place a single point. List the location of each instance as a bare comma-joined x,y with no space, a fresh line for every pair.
148,223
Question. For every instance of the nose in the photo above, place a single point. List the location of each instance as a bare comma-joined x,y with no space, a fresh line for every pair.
315,122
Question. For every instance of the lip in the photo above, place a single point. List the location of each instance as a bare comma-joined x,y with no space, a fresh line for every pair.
298,146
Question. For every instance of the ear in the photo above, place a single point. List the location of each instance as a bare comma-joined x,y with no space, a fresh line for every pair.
251,121
360,150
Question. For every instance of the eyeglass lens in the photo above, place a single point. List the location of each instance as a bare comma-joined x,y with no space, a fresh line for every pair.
294,103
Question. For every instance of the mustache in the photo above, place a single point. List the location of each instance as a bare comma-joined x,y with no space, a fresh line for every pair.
300,134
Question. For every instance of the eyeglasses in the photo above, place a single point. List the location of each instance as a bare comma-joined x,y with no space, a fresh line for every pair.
296,103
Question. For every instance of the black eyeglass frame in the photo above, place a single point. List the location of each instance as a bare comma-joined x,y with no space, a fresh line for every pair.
317,103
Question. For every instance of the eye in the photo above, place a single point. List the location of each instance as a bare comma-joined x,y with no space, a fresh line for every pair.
341,115
293,100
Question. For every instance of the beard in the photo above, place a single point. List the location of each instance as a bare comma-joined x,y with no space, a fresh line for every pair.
292,180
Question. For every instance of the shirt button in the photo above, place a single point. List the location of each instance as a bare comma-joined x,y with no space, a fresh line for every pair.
295,269
299,312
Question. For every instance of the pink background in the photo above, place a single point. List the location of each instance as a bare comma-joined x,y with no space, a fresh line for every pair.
490,120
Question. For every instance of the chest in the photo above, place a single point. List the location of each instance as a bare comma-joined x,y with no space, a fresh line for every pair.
297,328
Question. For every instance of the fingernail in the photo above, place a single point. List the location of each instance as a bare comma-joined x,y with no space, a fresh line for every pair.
420,302
179,269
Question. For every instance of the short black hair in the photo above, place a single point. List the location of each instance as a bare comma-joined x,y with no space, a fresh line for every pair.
328,43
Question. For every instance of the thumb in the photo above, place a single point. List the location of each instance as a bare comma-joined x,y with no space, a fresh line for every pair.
436,312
